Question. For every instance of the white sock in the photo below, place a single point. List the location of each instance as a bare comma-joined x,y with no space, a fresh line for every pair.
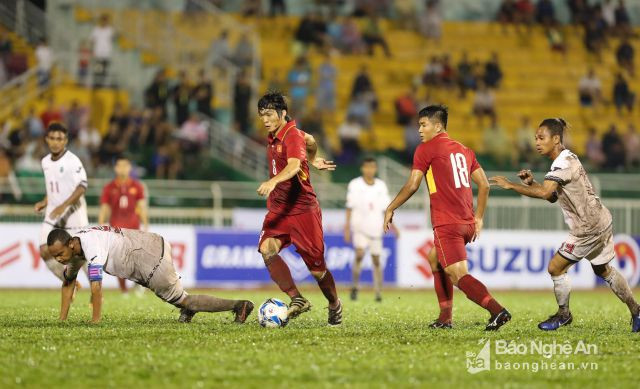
562,289
620,287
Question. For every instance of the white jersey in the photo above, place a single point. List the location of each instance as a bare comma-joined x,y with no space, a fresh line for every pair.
367,204
62,177
583,211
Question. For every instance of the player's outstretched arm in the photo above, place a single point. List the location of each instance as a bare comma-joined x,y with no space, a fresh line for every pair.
75,196
40,205
312,151
67,296
292,168
104,214
96,301
411,187
546,191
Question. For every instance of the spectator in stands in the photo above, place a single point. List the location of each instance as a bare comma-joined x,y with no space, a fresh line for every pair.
113,144
632,147
311,31
351,39
349,133
6,47
578,10
220,52
44,57
326,90
432,74
51,113
589,89
525,12
625,56
613,149
430,21
498,145
623,21
193,134
556,38
276,83
202,93
362,84
448,76
593,38
167,161
102,42
465,74
243,53
181,96
609,14
406,108
622,95
507,12
593,148
33,124
360,110
157,94
241,100
545,12
84,61
251,8
405,14
277,7
493,72
372,36
75,119
299,80
484,103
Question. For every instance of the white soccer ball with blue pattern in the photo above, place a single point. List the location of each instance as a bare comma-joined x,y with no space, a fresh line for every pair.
273,313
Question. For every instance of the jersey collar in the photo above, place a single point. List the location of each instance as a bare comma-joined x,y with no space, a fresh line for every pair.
283,131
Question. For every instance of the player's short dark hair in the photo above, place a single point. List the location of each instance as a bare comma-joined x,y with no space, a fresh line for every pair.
368,160
57,127
438,112
121,157
58,235
556,126
273,100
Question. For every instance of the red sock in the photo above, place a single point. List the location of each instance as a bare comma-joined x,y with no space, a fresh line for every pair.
478,293
328,287
444,290
123,284
281,275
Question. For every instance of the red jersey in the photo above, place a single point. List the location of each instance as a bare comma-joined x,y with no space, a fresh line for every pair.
123,200
295,195
447,166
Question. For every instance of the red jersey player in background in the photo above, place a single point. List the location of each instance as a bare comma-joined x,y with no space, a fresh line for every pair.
448,166
124,200
294,215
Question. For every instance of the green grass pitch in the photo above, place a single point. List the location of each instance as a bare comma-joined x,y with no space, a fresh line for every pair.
140,344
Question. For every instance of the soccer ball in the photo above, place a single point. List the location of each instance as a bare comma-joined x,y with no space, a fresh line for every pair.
273,313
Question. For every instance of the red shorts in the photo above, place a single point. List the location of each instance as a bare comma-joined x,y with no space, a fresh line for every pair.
450,240
303,231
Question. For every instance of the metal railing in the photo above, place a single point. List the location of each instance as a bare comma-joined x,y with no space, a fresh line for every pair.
24,88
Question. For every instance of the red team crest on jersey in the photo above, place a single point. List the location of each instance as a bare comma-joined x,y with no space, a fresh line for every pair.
279,148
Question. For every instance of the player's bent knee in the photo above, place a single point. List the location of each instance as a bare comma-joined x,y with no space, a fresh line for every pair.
318,275
375,260
602,271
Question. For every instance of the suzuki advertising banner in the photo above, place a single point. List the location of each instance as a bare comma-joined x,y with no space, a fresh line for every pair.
510,259
232,257
22,267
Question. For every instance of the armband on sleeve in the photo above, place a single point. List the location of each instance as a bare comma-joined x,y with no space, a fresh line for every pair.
95,272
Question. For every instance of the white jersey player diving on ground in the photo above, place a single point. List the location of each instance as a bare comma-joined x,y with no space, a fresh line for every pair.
141,257
589,221
367,199
66,183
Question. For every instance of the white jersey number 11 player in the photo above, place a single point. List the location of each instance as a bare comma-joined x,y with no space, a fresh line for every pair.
66,182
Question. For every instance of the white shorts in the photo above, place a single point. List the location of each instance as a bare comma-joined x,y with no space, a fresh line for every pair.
364,242
597,248
46,228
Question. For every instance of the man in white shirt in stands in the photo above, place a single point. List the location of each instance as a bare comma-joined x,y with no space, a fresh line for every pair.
367,199
66,183
102,43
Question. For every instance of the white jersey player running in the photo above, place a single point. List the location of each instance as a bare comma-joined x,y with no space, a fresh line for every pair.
142,257
589,221
66,183
367,199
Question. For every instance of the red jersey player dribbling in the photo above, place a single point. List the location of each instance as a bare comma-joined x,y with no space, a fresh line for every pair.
124,199
294,215
448,168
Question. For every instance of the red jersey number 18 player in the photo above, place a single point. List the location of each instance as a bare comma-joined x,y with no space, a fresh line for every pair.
294,215
449,168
